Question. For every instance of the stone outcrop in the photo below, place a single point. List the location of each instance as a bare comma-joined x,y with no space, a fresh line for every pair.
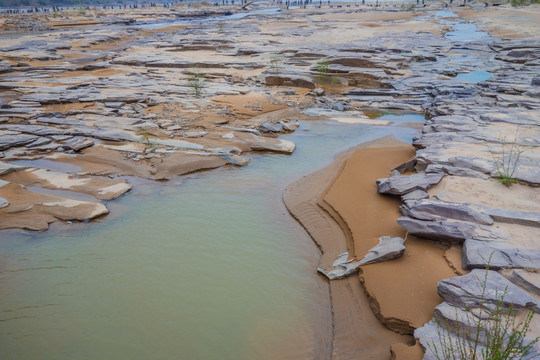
389,248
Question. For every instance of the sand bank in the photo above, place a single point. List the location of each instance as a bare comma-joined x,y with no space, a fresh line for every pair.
340,207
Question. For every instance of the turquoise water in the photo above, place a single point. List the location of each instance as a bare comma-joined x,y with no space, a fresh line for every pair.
474,76
208,266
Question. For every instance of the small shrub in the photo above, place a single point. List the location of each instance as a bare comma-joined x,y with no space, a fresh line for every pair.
507,159
196,82
322,69
494,334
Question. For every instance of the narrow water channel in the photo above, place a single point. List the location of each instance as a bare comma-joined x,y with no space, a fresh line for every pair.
210,267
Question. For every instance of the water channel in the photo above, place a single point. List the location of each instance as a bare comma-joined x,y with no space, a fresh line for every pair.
208,266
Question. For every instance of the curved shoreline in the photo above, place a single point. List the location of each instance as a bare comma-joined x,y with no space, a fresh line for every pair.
355,327
362,322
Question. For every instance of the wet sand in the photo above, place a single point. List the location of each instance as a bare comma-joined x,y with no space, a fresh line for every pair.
340,207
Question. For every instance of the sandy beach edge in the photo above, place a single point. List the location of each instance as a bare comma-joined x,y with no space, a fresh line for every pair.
372,312
356,328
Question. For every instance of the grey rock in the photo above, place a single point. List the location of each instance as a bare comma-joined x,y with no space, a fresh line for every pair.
234,159
415,195
59,121
38,130
115,104
290,125
446,230
478,254
535,81
111,135
389,248
194,134
406,167
39,142
9,141
528,280
528,170
476,164
6,167
78,144
400,185
318,91
466,291
452,120
270,128
435,209
3,203
510,216
452,170
341,268
248,130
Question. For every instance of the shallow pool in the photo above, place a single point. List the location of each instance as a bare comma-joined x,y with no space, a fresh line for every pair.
209,266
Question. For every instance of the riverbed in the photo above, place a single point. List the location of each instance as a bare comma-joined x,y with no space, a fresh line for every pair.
204,266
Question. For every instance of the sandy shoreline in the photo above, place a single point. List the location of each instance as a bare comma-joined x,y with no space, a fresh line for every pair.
340,208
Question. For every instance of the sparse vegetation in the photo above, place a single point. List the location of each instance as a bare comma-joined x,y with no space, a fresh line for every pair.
220,29
411,7
196,82
507,159
276,62
81,10
493,332
145,139
524,2
322,70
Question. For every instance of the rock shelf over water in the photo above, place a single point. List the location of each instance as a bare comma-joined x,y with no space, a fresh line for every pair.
84,107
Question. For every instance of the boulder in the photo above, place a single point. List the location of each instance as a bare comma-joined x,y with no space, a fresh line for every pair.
445,230
6,167
194,134
485,288
341,268
8,141
435,209
510,216
441,331
480,253
400,185
270,128
389,248
528,280
78,144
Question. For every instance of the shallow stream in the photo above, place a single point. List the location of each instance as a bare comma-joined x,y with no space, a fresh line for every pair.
209,266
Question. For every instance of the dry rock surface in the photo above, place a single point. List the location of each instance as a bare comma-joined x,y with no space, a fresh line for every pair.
84,106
